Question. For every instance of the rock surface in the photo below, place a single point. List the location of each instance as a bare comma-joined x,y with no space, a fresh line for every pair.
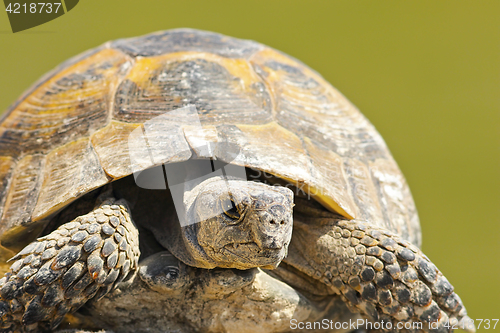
168,296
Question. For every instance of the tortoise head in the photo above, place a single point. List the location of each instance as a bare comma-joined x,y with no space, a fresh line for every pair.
238,224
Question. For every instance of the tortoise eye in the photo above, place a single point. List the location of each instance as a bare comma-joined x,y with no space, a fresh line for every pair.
230,209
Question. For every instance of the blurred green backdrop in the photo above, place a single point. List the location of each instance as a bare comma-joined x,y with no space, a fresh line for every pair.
426,73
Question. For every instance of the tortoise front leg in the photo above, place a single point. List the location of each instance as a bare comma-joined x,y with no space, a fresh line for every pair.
58,273
377,274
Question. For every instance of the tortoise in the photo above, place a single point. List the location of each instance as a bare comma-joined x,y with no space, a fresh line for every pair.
74,146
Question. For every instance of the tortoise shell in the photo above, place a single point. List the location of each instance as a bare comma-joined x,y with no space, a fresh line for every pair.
69,133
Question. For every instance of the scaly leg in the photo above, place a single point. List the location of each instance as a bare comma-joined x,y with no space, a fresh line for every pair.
58,273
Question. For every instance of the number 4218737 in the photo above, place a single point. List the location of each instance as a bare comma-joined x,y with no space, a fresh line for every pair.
33,8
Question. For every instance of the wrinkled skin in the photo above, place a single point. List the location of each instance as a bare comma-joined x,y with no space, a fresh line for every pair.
231,224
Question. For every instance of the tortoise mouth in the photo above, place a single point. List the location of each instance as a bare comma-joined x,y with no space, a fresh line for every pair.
249,255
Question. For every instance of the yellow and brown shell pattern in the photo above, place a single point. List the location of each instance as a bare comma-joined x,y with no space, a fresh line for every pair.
68,134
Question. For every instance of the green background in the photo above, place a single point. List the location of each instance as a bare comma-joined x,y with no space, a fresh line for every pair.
426,73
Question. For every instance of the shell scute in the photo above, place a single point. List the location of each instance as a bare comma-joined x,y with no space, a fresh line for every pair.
177,40
223,90
70,105
21,199
71,171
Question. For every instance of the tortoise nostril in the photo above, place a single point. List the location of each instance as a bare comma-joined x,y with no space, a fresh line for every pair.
280,222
